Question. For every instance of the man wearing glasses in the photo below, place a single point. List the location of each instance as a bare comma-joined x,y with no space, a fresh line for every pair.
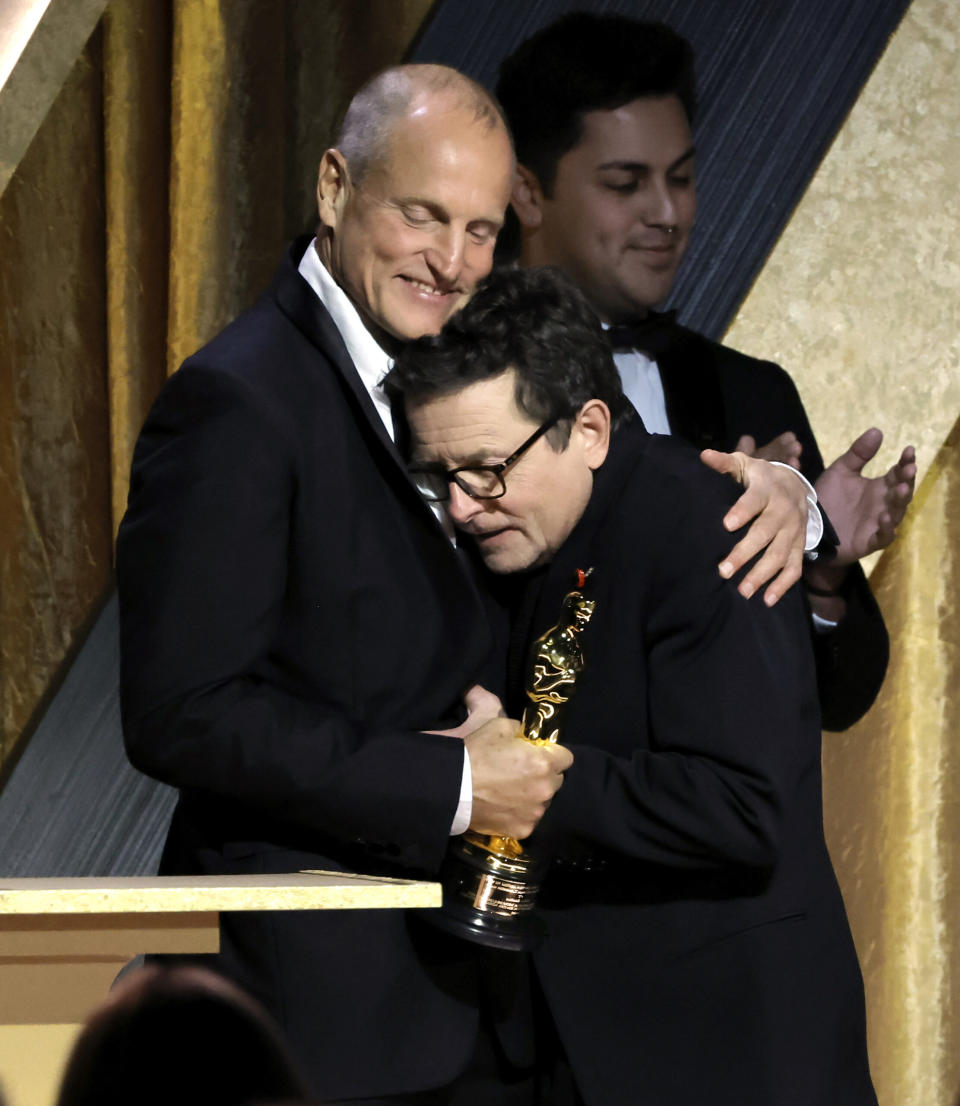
697,949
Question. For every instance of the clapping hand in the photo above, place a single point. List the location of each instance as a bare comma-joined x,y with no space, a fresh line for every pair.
866,511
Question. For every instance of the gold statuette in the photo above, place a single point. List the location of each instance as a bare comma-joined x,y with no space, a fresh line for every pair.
490,882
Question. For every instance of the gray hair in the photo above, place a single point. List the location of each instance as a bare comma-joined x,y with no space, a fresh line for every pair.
389,96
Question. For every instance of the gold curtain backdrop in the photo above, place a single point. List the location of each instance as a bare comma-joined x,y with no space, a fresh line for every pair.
153,205
55,529
137,93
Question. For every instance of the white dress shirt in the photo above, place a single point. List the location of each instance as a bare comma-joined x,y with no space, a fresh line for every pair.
369,358
642,385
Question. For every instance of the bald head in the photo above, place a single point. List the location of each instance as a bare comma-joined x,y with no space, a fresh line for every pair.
393,95
412,198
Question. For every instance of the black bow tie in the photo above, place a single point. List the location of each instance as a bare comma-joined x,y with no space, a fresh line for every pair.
654,334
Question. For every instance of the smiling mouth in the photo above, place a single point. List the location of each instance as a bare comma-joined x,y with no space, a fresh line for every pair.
430,289
658,257
667,246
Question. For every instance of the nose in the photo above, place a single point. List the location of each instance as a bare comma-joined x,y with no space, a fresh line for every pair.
445,254
661,207
462,507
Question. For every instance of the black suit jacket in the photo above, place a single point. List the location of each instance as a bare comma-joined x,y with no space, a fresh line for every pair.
704,956
292,618
714,395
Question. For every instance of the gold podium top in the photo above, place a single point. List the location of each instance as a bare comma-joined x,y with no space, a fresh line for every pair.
203,894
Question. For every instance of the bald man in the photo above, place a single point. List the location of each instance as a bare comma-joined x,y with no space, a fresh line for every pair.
296,624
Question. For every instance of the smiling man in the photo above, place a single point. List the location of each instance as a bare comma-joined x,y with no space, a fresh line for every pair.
587,223
407,234
697,949
296,624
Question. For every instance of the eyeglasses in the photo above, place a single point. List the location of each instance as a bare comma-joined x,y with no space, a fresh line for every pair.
478,481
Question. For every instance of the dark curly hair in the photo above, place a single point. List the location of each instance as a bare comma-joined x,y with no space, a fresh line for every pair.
534,321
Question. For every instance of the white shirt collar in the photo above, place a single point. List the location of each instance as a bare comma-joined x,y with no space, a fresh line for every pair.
370,360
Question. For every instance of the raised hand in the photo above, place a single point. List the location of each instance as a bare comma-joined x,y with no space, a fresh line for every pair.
784,447
866,511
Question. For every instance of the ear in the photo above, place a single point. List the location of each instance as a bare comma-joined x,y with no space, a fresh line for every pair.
333,187
592,424
527,197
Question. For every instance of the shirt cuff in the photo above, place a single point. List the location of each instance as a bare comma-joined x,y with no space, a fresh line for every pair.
461,820
814,521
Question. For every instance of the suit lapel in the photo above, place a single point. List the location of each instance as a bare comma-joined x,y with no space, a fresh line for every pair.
297,300
302,306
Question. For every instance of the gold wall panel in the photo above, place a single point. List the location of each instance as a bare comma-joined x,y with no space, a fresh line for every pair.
860,300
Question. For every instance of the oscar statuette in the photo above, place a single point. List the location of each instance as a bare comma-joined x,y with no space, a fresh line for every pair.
490,883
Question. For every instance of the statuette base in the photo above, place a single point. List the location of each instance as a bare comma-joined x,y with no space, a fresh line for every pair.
489,896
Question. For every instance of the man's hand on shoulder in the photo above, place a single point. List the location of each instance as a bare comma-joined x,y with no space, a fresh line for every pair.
513,780
776,501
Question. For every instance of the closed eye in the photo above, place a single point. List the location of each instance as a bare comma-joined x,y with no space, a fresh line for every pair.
624,189
624,180
418,216
482,233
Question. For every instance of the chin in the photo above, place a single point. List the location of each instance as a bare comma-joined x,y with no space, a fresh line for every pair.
417,319
657,291
645,295
503,564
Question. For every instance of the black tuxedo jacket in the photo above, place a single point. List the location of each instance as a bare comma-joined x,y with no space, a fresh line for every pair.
713,396
292,618
698,948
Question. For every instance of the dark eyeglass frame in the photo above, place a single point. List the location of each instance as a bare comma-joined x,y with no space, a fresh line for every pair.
445,476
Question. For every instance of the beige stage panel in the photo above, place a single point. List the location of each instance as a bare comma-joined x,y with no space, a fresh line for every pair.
63,941
177,894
